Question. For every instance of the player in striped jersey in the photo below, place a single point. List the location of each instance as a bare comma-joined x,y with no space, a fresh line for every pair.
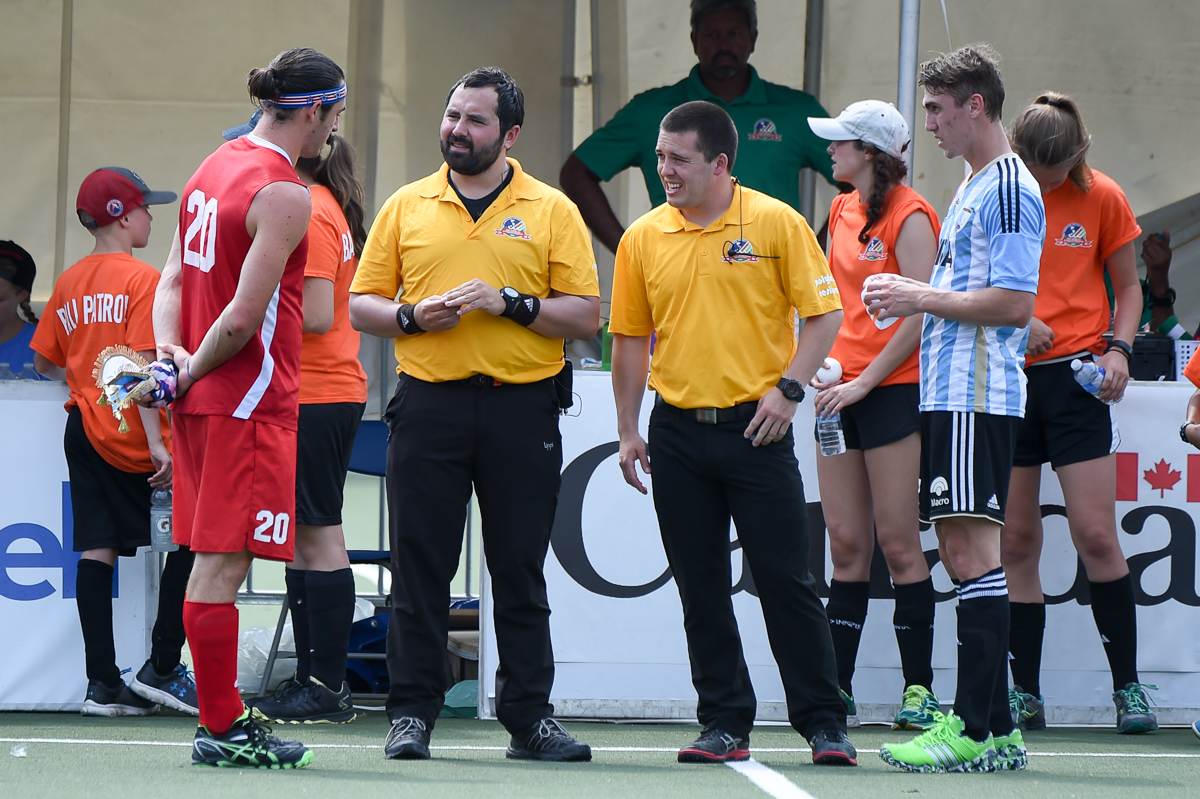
977,308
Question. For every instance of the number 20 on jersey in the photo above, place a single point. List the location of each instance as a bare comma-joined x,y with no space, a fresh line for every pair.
200,239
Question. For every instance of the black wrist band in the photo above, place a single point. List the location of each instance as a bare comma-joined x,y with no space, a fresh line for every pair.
521,308
1121,347
1165,301
406,317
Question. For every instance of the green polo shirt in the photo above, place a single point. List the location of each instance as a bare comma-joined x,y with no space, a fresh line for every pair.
774,140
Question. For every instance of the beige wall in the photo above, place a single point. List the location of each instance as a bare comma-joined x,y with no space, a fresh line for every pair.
152,83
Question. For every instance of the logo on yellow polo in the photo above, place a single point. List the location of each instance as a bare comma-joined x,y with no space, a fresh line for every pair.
764,130
739,252
874,252
1073,235
513,227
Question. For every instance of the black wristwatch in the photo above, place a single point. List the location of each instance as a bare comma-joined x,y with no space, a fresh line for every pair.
511,297
1183,431
1165,301
791,389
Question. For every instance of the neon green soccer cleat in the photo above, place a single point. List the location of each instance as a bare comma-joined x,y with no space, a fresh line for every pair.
944,747
917,709
1010,752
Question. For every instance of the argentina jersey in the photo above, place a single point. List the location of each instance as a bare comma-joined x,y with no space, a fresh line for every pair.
991,237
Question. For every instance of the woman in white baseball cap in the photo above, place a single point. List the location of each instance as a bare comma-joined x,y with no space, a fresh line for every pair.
882,226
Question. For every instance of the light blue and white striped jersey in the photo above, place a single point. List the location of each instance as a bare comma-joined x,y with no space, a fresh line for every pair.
991,236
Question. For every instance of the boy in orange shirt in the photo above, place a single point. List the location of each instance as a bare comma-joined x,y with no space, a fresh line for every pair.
103,300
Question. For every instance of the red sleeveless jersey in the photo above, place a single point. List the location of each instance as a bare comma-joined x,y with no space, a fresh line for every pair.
262,381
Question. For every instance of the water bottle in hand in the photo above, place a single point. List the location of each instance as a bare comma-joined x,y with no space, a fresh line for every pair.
830,435
1091,376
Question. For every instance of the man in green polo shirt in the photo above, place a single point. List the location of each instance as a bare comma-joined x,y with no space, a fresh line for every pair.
774,140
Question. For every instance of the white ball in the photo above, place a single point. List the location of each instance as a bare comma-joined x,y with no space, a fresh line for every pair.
830,372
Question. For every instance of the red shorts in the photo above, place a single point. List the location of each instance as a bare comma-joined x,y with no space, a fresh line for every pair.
235,486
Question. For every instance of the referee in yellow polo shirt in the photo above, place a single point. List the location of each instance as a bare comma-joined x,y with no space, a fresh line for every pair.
497,270
720,272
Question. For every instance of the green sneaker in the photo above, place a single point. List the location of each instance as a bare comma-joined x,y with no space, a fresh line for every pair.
917,709
944,747
1010,752
247,744
1028,711
851,710
1133,709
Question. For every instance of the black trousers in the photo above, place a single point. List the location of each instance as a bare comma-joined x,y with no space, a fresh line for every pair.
704,474
504,440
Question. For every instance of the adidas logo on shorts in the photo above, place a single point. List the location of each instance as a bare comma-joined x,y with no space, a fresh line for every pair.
992,503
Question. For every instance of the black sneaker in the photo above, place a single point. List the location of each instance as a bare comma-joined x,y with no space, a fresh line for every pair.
547,740
408,739
715,746
1133,709
102,700
176,689
310,703
248,744
284,688
833,748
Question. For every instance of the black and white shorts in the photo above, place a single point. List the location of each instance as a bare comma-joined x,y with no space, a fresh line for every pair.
1063,423
110,508
966,462
324,440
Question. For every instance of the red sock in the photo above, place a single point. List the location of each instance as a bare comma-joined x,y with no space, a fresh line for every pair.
212,633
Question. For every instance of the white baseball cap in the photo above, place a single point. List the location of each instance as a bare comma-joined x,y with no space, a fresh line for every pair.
872,121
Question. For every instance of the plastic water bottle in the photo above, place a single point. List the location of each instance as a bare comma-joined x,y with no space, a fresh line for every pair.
1090,376
160,521
6,373
830,435
29,373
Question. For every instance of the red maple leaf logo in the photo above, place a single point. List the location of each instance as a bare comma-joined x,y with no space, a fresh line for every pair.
1162,477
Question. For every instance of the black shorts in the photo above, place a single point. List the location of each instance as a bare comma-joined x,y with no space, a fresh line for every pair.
324,439
1063,423
110,508
966,463
886,415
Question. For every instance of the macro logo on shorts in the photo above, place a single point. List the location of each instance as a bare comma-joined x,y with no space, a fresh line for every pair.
938,487
513,227
115,207
874,252
764,130
1073,235
740,251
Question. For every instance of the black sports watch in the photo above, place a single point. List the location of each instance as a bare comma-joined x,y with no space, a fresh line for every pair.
791,389
1165,301
1183,431
1123,346
511,297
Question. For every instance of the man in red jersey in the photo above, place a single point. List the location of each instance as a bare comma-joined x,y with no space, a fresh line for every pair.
228,313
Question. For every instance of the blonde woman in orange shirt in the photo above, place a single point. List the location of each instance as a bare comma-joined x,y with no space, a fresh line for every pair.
1090,228
870,490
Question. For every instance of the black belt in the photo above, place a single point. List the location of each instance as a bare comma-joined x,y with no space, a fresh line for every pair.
737,413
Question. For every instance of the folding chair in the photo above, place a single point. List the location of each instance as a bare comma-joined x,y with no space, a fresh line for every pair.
368,456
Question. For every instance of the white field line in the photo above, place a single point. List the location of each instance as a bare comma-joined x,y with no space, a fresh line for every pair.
648,749
771,782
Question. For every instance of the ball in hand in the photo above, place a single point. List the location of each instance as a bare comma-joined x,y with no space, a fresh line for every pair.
830,371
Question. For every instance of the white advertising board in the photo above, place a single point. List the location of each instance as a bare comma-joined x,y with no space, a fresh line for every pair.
617,624
43,666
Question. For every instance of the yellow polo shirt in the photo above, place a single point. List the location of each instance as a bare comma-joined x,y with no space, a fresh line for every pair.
726,330
531,238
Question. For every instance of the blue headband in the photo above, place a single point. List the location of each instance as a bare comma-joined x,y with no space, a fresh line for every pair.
311,98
